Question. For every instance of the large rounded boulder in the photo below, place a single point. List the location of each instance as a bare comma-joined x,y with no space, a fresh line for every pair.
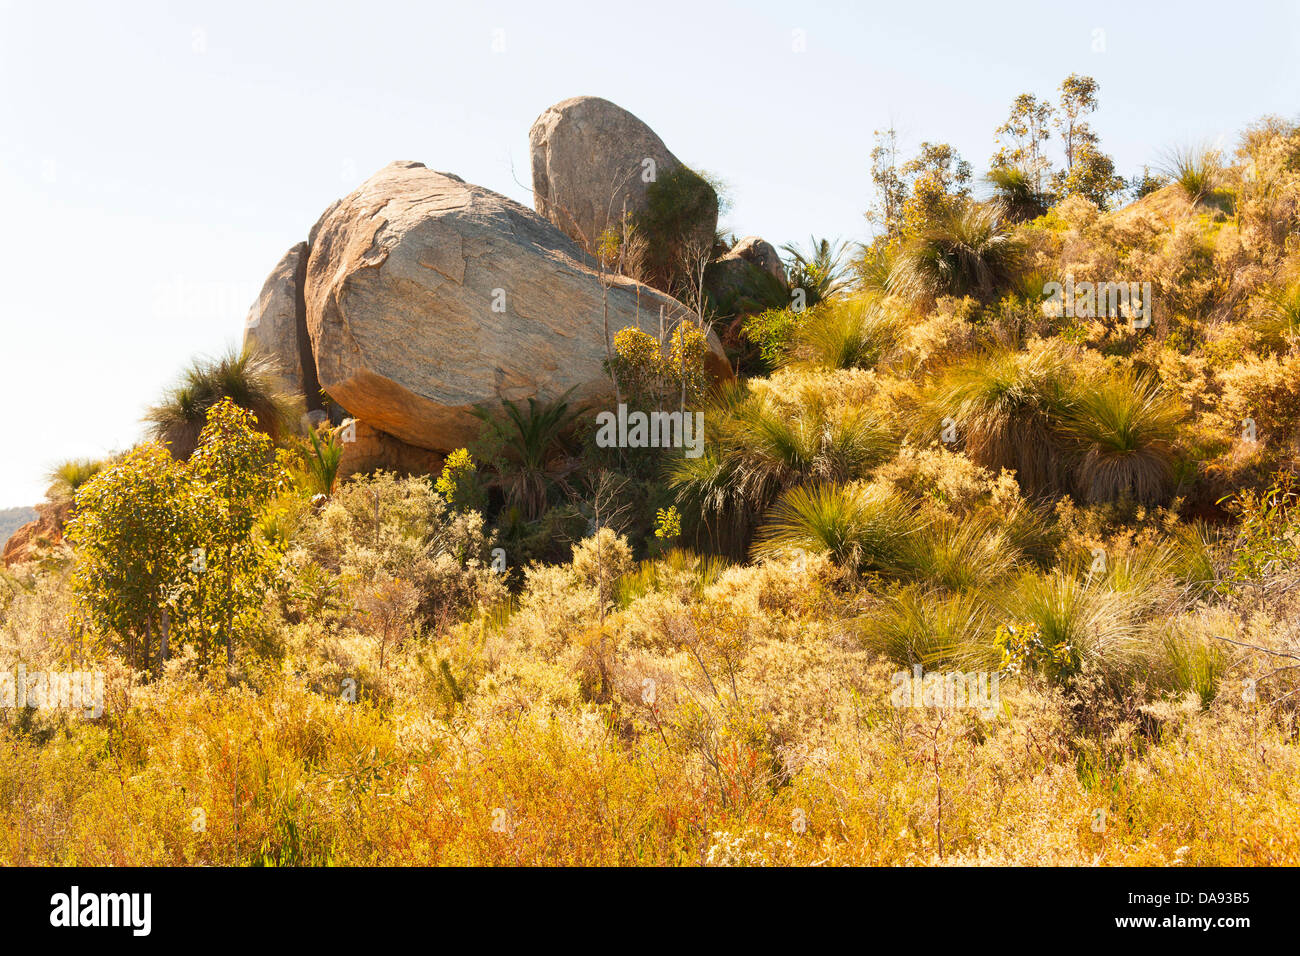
426,296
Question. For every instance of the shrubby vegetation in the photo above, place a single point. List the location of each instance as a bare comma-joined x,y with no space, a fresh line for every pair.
552,652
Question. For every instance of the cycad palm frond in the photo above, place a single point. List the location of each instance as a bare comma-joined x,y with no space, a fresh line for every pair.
323,463
531,437
819,271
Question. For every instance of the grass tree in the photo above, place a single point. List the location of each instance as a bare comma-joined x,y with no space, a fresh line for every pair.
841,334
760,448
322,464
1004,409
967,250
962,554
1280,315
1014,190
861,527
1197,169
1065,621
1125,427
917,625
69,477
247,378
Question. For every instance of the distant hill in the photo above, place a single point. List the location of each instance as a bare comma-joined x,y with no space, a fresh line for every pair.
11,519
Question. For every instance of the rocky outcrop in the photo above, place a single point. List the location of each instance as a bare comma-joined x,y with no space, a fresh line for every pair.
11,519
427,296
42,534
367,449
593,161
761,253
276,324
748,279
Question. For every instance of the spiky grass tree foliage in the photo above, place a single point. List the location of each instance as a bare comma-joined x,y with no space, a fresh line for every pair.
968,251
841,334
1125,427
1077,620
962,554
862,527
1014,190
1280,316
249,379
758,448
1032,532
1197,169
873,268
68,477
1004,409
1154,578
916,625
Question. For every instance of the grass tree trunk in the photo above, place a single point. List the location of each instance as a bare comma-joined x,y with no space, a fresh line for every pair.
164,638
230,640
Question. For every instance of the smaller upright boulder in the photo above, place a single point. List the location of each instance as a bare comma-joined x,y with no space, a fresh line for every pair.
750,278
761,253
593,161
276,326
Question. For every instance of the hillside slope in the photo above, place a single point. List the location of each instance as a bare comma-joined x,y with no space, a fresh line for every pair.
11,519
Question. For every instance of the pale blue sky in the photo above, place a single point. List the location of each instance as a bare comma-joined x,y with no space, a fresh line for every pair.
157,159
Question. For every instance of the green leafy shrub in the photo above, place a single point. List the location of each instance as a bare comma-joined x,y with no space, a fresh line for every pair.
772,331
681,206
166,550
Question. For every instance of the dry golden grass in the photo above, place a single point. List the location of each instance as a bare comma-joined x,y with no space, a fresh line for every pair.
766,737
